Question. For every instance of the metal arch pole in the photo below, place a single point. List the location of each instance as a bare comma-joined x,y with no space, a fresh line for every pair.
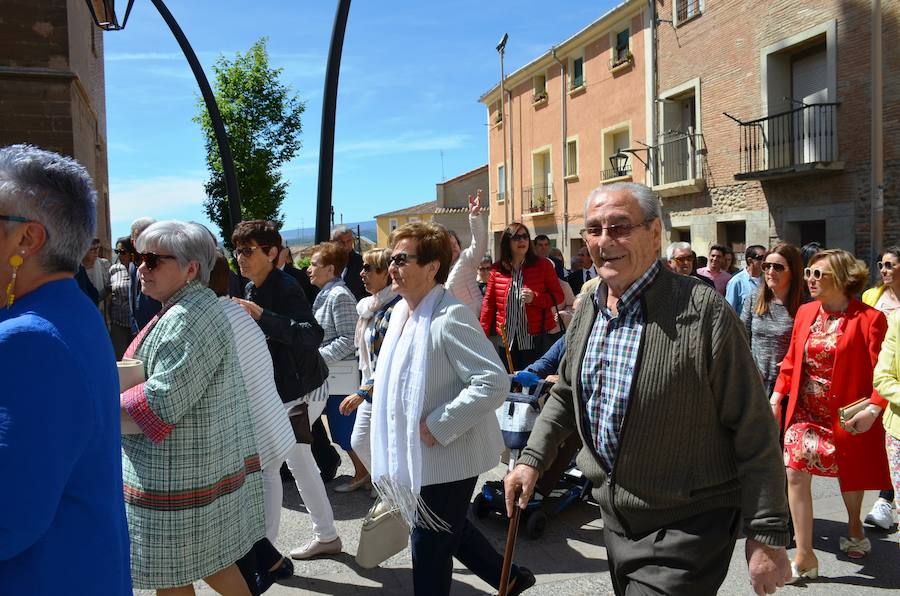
234,197
329,108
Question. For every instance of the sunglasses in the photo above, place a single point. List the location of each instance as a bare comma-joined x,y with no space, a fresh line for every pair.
757,257
885,265
614,232
15,218
814,274
401,259
681,260
519,236
151,259
120,251
776,266
247,251
366,268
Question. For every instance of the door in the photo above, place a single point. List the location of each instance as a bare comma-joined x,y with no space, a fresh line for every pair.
809,85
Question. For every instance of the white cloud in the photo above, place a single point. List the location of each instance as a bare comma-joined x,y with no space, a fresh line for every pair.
375,147
160,197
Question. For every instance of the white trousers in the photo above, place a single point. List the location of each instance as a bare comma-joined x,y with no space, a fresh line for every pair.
309,482
360,440
273,493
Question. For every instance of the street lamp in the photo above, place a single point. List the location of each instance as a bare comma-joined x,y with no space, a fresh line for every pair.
104,15
618,161
507,178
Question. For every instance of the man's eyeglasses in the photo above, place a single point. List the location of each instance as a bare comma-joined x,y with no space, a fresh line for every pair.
814,273
885,265
614,231
684,259
151,259
120,251
246,251
15,218
519,236
776,266
757,257
401,259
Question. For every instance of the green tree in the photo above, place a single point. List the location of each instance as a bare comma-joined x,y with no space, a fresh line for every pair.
262,119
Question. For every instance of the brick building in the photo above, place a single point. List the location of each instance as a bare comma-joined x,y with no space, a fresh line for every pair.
52,86
567,112
764,120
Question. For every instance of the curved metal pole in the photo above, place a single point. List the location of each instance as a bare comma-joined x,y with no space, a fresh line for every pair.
234,198
329,107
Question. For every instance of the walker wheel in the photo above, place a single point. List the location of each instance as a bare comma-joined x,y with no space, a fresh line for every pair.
480,506
536,524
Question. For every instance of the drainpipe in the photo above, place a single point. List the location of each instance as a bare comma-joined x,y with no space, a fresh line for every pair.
562,129
512,204
877,202
654,91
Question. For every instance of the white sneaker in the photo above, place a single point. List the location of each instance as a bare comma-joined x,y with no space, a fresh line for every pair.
882,514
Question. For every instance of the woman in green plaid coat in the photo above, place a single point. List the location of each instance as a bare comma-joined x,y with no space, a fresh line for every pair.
193,488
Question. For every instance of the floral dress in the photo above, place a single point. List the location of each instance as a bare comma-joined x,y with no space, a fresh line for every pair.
809,441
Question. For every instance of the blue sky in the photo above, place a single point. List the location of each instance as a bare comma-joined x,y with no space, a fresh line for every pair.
411,76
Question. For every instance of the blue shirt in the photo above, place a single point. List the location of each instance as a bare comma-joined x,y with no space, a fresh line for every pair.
548,364
739,289
609,362
62,511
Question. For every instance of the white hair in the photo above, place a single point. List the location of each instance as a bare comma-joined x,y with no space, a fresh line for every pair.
185,240
341,230
670,251
647,200
139,225
56,192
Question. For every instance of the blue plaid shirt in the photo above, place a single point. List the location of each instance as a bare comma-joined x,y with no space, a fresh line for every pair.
609,363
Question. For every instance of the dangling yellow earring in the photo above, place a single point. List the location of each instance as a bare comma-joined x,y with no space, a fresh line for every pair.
15,262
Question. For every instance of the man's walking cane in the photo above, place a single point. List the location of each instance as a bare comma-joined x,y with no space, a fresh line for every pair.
509,359
510,547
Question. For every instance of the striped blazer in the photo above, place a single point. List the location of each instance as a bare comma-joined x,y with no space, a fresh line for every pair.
335,310
465,384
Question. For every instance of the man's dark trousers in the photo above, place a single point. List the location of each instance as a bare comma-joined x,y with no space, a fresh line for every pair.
690,557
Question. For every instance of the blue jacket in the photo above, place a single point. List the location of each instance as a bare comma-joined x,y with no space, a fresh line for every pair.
548,364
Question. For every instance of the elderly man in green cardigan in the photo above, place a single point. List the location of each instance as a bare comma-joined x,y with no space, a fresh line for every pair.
680,443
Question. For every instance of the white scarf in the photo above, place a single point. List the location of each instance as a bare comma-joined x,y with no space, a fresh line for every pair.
396,414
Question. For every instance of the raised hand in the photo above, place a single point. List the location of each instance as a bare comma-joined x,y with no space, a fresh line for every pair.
475,203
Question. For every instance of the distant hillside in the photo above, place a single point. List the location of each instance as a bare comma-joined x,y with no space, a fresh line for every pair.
367,229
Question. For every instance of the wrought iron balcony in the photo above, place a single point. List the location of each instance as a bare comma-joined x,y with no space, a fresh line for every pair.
792,143
537,199
613,173
679,164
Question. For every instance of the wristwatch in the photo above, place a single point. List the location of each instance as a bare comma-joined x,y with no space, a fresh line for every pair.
873,410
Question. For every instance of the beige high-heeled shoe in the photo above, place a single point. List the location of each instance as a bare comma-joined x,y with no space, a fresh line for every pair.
798,574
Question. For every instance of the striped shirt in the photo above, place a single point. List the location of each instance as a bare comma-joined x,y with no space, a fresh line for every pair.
609,363
516,323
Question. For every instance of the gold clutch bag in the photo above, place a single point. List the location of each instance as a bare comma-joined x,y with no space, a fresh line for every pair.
849,411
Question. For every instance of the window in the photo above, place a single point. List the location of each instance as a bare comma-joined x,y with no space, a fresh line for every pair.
501,183
615,140
577,77
392,224
414,218
686,10
621,53
572,157
498,112
540,88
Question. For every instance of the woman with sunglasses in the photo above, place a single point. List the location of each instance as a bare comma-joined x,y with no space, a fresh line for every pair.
521,293
833,350
463,279
886,298
191,468
120,308
768,313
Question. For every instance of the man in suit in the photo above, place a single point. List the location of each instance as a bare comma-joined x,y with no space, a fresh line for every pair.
143,307
587,270
344,235
542,249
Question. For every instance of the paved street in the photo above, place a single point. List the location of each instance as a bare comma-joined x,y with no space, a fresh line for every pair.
570,558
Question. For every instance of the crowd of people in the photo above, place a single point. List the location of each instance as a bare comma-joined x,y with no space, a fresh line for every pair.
703,398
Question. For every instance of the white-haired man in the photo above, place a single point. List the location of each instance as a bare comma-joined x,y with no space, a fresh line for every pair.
659,383
344,236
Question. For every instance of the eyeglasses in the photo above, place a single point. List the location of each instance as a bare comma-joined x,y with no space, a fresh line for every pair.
246,251
120,251
401,259
485,268
757,257
151,259
776,266
16,218
366,268
519,236
614,232
814,273
885,265
682,260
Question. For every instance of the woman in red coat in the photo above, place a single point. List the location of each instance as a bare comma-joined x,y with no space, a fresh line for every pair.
520,295
833,351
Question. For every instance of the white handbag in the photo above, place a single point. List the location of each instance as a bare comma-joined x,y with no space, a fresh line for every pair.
343,377
383,535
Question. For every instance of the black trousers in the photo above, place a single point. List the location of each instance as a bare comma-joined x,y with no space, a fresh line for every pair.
433,552
690,557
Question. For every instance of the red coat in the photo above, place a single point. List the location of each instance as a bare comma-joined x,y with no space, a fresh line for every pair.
861,459
539,277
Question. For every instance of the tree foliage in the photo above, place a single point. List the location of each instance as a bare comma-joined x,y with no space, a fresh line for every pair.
262,119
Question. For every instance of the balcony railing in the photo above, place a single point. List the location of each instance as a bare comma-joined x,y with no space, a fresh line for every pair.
614,173
538,199
786,142
499,196
680,157
687,9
